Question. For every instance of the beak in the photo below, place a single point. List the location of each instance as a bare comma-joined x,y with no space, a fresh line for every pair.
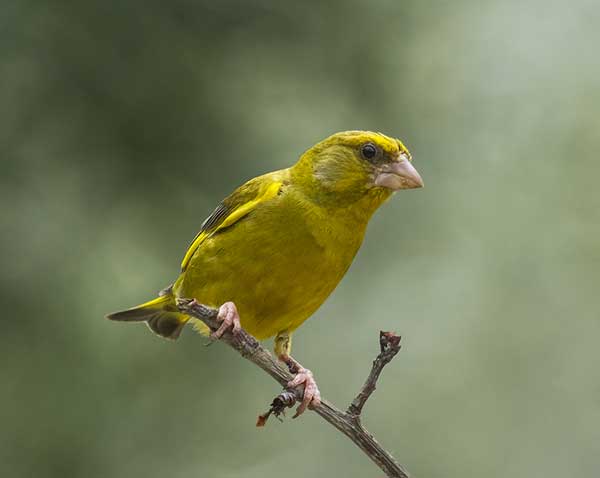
399,174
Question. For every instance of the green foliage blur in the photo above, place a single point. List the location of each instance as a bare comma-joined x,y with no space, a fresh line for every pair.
122,125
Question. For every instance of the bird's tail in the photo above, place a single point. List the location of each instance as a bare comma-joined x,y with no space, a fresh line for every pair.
160,314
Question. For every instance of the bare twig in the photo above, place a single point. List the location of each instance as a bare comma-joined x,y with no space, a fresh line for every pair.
347,423
389,344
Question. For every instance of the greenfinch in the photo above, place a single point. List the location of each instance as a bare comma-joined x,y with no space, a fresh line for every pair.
273,251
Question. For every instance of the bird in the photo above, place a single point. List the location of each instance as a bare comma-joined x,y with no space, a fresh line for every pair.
274,250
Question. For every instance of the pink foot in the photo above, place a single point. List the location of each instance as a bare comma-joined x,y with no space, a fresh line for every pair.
229,318
312,395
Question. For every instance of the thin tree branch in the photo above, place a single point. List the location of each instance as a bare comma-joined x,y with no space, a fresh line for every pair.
348,423
389,344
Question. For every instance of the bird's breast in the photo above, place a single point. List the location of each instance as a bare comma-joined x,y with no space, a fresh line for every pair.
278,265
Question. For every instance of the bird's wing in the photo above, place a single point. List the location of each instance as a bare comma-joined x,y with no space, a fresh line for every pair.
236,206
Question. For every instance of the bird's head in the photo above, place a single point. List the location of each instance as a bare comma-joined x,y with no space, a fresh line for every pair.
354,164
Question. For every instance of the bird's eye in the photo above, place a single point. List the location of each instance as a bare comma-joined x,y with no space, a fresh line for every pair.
369,151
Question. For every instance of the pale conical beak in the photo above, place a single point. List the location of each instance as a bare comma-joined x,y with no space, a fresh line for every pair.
399,175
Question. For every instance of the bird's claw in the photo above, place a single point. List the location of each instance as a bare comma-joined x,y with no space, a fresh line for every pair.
312,395
229,318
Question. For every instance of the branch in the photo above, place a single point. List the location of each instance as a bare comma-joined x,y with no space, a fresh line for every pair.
389,343
348,423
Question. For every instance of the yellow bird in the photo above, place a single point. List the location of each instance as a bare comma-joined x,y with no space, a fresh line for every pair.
272,252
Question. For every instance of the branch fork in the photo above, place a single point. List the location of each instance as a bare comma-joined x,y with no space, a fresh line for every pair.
346,422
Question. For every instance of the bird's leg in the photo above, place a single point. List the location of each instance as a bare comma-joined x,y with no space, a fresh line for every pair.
312,395
229,318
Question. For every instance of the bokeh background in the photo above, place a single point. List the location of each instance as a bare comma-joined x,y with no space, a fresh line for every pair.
122,125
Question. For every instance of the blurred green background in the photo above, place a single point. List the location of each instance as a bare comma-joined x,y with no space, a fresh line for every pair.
122,125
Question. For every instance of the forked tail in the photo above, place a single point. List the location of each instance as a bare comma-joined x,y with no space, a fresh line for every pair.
160,314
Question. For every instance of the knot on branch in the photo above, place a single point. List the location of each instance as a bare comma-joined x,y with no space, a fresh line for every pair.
286,399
